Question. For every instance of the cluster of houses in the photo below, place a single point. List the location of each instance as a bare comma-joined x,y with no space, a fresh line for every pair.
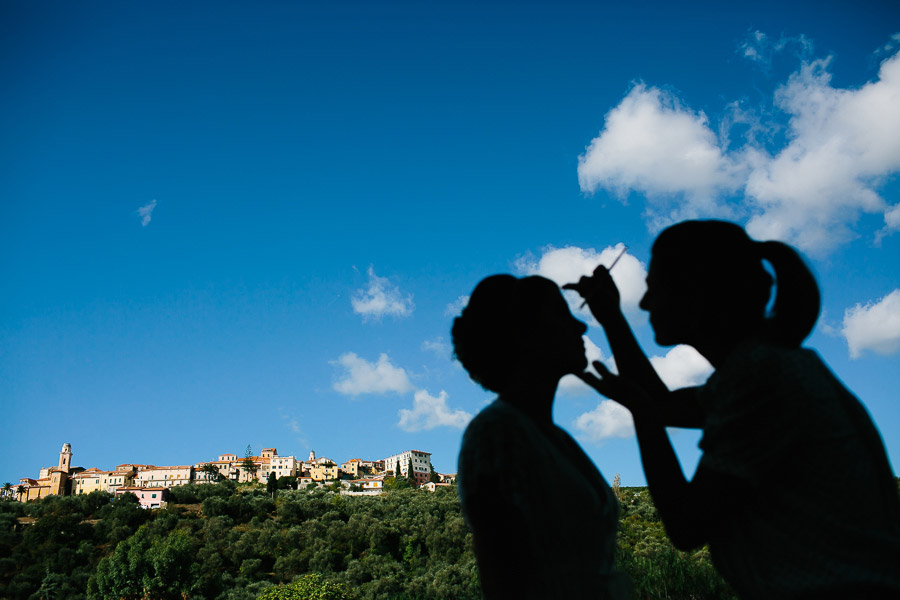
150,483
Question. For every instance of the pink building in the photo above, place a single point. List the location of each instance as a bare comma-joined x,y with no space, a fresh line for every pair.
148,497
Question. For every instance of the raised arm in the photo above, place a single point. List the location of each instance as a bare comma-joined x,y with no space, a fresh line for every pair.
677,409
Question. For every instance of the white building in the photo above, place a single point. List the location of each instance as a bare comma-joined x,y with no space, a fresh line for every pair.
418,461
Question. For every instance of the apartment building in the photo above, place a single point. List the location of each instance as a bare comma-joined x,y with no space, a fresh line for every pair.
416,462
165,477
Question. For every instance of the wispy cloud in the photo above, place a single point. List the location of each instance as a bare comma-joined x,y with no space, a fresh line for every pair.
381,298
454,308
840,145
293,424
429,412
761,48
874,326
438,346
363,377
146,212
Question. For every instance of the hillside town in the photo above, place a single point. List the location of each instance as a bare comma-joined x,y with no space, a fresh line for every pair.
151,482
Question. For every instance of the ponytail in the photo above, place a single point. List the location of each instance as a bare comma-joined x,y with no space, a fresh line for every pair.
797,298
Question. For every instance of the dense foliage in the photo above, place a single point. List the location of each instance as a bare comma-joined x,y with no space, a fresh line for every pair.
238,543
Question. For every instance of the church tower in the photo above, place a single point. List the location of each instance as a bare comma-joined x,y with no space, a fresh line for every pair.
65,458
312,456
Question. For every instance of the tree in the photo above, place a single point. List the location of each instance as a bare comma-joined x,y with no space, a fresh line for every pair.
212,472
309,587
287,482
397,470
272,484
7,490
433,476
250,467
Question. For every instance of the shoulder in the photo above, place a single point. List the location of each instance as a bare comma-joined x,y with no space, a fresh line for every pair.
497,430
496,418
755,366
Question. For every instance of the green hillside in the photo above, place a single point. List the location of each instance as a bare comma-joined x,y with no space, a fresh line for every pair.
237,543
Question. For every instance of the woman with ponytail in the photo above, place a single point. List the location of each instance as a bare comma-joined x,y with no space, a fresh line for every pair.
794,493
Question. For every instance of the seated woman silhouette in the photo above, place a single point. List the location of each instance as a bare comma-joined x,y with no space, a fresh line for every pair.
794,492
543,518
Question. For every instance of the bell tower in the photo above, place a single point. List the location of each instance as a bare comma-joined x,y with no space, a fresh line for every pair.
65,458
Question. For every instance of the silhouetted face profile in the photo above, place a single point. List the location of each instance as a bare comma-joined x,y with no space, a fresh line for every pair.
671,306
706,280
518,327
557,334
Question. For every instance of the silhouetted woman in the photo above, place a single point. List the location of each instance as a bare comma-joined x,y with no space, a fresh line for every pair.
543,519
794,492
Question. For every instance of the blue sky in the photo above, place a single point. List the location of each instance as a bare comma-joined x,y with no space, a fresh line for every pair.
226,225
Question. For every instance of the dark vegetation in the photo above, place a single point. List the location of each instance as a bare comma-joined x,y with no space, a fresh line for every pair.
238,543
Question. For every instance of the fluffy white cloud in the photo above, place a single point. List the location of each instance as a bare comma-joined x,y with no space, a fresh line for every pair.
146,212
364,377
610,419
840,144
429,412
381,298
874,327
653,145
682,366
568,264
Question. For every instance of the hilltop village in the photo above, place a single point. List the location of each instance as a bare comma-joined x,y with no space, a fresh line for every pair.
150,482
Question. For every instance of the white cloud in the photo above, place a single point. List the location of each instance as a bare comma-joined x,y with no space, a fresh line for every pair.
682,366
840,145
381,298
381,377
651,144
891,223
429,412
364,377
874,327
609,420
146,212
568,264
